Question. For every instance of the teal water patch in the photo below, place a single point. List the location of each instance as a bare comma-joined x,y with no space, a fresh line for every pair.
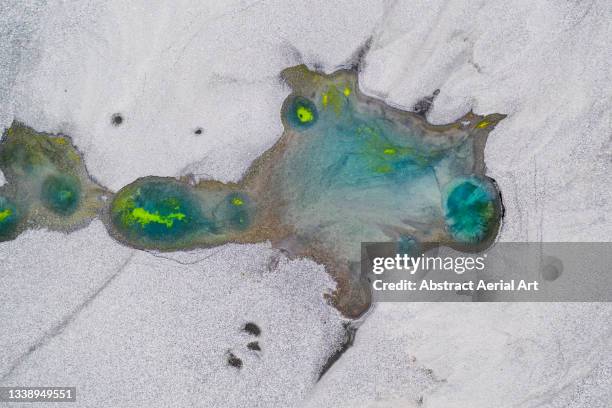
347,169
47,180
61,194
158,211
355,176
165,213
367,172
471,210
235,212
356,150
363,171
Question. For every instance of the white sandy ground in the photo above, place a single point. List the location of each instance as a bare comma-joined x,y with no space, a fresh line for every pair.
503,355
45,277
159,331
170,67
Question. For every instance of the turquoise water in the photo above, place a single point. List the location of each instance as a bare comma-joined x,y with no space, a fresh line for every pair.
158,211
46,181
347,169
356,174
470,209
163,213
61,194
235,212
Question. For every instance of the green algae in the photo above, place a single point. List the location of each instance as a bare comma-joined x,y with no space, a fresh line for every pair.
9,219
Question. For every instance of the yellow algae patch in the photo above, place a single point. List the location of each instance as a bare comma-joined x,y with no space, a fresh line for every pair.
5,214
389,151
304,114
483,124
334,97
237,201
144,217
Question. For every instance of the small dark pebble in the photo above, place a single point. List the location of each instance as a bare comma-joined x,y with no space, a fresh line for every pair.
252,328
254,345
117,119
198,131
234,361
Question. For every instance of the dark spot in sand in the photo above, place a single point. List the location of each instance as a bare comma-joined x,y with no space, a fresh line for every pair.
234,361
254,345
117,119
252,328
198,131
